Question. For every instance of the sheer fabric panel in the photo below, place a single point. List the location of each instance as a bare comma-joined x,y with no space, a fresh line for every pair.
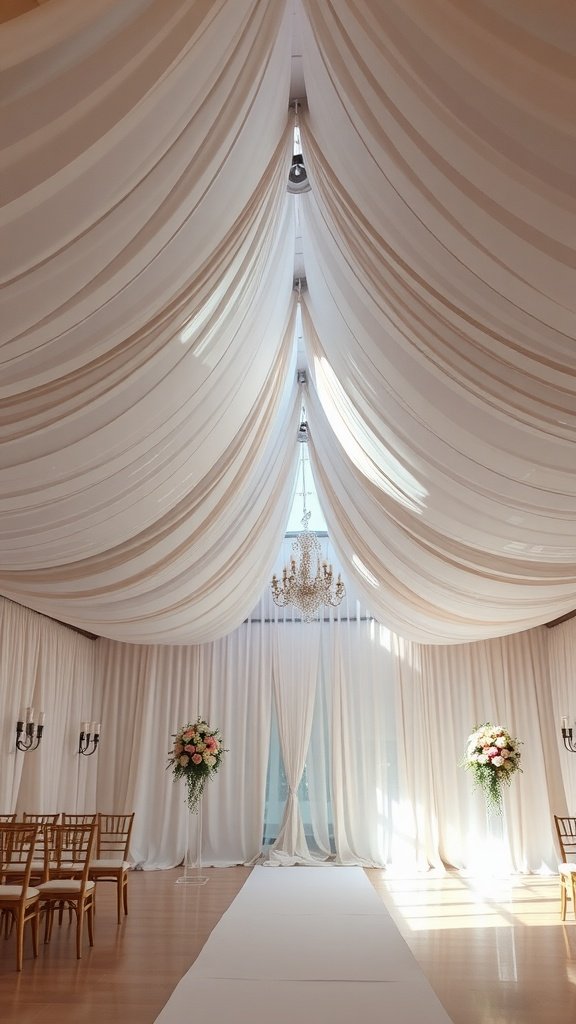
151,692
440,312
443,693
296,656
148,367
48,667
562,662
382,727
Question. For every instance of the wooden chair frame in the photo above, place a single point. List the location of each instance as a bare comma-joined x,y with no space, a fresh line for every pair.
566,832
19,901
111,864
68,853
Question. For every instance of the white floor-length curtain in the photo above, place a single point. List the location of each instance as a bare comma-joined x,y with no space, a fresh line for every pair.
379,724
49,667
562,664
443,693
362,724
296,653
149,693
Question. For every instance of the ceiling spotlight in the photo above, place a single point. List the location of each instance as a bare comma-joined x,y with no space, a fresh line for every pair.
297,177
297,170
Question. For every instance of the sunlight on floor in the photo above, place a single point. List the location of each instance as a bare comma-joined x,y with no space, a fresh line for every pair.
460,902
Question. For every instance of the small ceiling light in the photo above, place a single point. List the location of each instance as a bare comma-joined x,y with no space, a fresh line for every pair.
297,173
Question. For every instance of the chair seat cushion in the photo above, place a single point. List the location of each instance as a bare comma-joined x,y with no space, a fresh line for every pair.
18,869
14,892
567,868
109,865
63,885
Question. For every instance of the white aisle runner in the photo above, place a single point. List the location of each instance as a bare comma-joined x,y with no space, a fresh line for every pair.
309,944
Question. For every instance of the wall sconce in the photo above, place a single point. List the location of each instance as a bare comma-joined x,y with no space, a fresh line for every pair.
28,735
89,734
567,736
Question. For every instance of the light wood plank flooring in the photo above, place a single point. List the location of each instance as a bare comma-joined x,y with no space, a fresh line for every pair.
495,951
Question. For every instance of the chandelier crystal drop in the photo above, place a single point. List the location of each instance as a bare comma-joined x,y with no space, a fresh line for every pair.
307,583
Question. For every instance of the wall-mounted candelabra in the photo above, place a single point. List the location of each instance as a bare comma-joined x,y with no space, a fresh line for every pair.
567,736
29,734
89,737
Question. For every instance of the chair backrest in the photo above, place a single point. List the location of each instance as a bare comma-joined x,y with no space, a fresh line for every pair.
17,845
41,819
114,831
566,831
69,848
79,819
8,817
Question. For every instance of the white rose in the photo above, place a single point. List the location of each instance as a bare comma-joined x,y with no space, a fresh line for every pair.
498,761
501,742
183,760
483,759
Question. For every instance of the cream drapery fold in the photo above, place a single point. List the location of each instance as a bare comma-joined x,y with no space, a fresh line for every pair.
438,242
147,396
148,375
295,661
48,667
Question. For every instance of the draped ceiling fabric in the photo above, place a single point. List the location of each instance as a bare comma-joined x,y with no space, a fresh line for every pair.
148,398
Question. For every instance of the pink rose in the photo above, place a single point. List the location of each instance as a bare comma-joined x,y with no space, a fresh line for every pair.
211,743
190,748
493,751
197,758
187,734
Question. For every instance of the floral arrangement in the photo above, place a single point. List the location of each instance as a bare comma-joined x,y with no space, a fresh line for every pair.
492,756
195,756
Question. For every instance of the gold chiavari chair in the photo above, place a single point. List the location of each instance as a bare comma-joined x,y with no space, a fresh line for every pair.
19,901
68,853
566,832
7,817
111,863
78,819
39,861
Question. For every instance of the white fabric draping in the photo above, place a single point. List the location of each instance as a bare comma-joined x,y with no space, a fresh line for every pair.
385,755
48,667
146,264
362,726
296,656
150,693
148,368
562,669
441,819
439,253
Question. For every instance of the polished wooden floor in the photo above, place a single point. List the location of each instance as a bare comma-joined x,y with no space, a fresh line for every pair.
494,950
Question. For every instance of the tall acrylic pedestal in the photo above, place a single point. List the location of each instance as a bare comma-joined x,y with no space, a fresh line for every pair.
193,856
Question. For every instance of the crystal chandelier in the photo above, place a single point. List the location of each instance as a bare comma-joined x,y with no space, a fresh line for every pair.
308,582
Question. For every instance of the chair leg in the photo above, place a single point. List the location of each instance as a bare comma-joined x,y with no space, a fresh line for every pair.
79,929
20,943
49,911
119,899
562,900
90,913
125,892
34,924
